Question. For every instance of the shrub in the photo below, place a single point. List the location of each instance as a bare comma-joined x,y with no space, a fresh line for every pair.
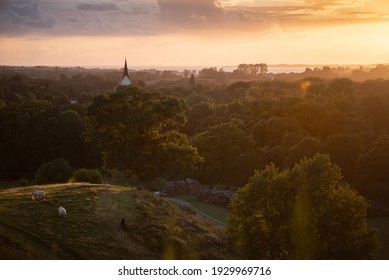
157,184
55,171
87,175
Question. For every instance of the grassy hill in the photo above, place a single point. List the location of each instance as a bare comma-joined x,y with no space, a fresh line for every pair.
154,228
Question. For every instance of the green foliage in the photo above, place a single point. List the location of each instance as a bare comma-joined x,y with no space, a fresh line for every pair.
138,132
313,117
271,132
192,80
302,213
55,171
292,116
34,131
228,154
372,169
344,150
306,147
86,175
200,117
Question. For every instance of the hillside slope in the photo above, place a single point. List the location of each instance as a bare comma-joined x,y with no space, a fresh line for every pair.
154,228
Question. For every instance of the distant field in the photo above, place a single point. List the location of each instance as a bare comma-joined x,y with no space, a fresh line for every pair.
154,228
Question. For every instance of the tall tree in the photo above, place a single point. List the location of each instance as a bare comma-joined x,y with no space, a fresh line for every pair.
372,168
228,154
304,213
138,132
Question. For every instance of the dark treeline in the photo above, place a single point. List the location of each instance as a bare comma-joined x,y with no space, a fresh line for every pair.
100,79
236,128
260,72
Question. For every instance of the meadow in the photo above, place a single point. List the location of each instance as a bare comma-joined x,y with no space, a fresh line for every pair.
154,228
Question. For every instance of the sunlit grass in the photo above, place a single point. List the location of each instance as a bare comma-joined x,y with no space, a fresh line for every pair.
154,228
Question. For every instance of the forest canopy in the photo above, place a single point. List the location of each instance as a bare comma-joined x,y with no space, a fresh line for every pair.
218,134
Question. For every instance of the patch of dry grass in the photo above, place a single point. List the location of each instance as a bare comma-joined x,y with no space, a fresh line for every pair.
154,228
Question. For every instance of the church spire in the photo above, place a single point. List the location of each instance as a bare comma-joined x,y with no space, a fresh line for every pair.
125,71
126,81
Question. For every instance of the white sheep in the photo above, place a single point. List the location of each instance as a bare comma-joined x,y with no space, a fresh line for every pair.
38,195
62,212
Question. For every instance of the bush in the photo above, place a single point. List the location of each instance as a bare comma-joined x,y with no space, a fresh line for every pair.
157,184
55,171
87,175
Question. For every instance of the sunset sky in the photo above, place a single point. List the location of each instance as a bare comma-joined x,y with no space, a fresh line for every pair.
193,32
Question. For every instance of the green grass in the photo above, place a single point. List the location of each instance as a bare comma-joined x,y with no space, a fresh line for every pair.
219,214
154,228
382,225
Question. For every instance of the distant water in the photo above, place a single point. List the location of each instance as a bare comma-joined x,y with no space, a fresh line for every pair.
275,69
286,69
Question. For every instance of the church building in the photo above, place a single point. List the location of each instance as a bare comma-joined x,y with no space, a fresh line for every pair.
126,81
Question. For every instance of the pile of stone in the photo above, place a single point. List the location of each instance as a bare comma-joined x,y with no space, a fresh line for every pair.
193,188
183,187
216,197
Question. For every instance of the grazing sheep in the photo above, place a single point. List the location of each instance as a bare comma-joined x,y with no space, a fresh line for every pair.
38,195
62,212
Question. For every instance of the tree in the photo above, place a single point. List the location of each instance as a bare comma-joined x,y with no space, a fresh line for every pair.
192,80
344,150
374,109
86,175
272,131
313,117
263,68
306,147
137,130
67,134
251,69
372,168
303,213
227,153
54,171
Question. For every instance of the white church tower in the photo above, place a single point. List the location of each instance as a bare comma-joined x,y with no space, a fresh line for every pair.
126,81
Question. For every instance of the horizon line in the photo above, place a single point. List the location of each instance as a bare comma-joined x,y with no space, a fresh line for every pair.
191,67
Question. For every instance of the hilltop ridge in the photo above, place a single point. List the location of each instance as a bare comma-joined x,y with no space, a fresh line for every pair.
154,228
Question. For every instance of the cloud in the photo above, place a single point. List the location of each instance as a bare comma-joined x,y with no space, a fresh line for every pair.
190,13
322,4
73,19
98,7
204,17
24,13
306,13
